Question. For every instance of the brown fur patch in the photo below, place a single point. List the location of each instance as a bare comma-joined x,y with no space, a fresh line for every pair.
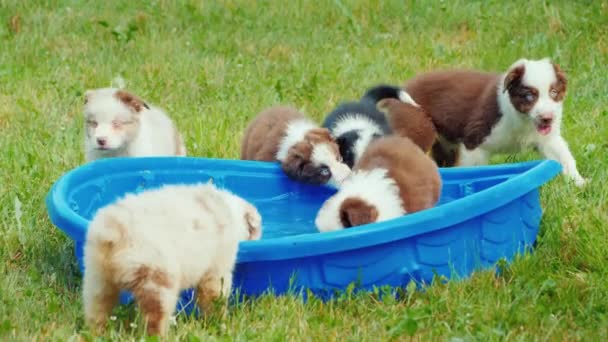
522,97
323,135
415,173
133,102
252,225
356,212
462,104
560,85
151,306
145,274
409,121
266,131
298,165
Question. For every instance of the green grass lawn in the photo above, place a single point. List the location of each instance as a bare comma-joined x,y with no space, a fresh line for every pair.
214,65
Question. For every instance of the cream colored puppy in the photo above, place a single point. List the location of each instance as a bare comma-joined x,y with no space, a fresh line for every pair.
160,242
119,124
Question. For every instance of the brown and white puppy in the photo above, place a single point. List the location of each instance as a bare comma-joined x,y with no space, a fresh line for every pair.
119,124
160,242
410,121
478,114
306,152
392,178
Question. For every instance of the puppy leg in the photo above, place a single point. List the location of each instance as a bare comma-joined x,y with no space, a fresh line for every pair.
156,294
213,292
99,297
557,149
473,157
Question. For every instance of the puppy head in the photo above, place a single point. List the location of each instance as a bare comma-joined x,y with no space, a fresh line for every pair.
112,118
316,159
364,197
536,88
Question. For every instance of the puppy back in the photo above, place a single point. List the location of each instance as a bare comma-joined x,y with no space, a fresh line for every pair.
264,134
415,173
410,121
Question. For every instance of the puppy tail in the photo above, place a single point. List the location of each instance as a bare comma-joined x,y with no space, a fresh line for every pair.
382,91
107,233
355,211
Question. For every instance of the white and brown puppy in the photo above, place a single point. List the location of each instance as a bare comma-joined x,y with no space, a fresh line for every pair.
119,124
307,153
478,114
393,177
162,241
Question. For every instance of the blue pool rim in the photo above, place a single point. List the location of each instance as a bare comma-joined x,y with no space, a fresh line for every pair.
526,177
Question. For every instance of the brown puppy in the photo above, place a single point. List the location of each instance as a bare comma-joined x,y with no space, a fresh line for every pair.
392,178
306,152
478,114
410,121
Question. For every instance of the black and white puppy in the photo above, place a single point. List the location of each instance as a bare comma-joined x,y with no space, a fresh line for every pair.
357,123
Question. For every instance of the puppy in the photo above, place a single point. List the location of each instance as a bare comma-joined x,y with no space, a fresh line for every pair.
405,117
119,124
356,124
393,177
306,152
160,242
478,114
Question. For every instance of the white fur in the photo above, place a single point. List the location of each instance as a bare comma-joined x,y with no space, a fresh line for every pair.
296,131
190,233
407,98
366,127
515,131
153,136
349,122
374,187
322,154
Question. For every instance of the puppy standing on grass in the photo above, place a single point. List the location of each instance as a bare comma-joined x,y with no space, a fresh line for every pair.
160,242
478,114
392,178
306,152
119,124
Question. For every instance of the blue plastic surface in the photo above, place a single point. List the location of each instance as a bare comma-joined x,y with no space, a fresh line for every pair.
485,214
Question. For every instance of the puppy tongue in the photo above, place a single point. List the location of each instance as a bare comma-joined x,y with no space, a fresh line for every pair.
543,129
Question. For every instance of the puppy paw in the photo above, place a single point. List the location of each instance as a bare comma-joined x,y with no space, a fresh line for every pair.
581,182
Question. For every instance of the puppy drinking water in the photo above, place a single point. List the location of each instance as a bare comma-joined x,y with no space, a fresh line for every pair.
160,242
306,152
119,124
392,178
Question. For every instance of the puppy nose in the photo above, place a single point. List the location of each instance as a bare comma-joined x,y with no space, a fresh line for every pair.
546,116
101,141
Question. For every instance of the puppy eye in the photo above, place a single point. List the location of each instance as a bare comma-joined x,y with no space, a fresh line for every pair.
116,124
324,171
553,93
92,123
529,97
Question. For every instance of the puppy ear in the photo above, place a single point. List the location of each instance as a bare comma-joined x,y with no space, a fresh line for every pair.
356,212
316,135
560,75
513,77
384,105
131,101
254,222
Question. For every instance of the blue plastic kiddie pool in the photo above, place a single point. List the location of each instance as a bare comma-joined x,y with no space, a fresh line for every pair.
485,214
